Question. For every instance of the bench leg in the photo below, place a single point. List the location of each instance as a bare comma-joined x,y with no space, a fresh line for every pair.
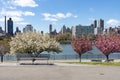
17,60
47,62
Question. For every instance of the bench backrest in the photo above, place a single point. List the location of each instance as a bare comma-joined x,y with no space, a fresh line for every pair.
33,56
44,55
23,55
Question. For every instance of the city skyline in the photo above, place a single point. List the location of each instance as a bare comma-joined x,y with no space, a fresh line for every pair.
41,13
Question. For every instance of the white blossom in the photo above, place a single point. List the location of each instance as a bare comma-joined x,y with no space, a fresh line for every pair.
33,42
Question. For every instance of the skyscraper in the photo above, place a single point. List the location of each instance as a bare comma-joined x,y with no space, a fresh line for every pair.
79,30
95,23
101,24
28,28
63,29
10,26
17,30
5,24
50,28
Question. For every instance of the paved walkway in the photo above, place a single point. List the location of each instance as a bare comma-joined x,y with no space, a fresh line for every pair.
58,71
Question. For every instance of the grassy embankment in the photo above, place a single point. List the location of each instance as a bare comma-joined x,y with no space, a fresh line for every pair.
98,63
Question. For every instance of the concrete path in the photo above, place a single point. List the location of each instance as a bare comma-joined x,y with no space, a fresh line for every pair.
59,71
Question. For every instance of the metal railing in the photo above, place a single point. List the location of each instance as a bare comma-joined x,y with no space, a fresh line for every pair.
69,56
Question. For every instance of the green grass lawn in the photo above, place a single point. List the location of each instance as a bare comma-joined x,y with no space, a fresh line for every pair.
98,63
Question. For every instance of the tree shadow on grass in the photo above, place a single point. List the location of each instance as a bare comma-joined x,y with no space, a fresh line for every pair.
36,64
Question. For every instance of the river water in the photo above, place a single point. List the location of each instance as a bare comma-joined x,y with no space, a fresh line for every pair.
69,53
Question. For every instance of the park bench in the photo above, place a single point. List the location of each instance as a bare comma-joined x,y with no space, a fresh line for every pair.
110,60
32,57
96,60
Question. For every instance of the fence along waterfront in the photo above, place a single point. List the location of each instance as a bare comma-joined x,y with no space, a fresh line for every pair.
68,53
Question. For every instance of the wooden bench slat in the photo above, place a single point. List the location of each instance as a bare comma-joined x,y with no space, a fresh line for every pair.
32,57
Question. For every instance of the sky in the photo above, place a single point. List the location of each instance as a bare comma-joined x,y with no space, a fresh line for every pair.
41,13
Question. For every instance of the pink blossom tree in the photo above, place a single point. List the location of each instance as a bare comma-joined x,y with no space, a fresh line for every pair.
108,44
81,45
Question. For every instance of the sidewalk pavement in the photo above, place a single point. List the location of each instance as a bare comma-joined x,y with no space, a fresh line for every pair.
40,64
54,62
61,71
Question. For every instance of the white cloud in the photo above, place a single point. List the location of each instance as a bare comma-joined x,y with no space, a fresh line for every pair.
16,13
27,13
2,19
46,14
17,16
50,19
17,19
12,4
75,16
58,16
68,14
22,23
113,22
61,15
11,13
25,3
9,8
8,4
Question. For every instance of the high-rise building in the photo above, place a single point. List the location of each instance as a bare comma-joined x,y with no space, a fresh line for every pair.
112,30
27,28
50,28
42,32
5,24
63,30
98,30
17,30
1,31
10,27
101,24
68,30
79,30
95,23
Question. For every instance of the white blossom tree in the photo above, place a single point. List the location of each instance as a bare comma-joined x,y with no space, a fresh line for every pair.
33,42
2,52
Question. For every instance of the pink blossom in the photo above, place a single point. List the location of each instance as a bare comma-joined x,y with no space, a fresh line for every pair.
81,45
108,43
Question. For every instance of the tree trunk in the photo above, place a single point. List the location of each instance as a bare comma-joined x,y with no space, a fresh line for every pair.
80,57
33,60
1,57
107,58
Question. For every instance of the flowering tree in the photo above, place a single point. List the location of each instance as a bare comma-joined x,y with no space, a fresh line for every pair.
50,44
108,44
33,42
81,45
4,46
